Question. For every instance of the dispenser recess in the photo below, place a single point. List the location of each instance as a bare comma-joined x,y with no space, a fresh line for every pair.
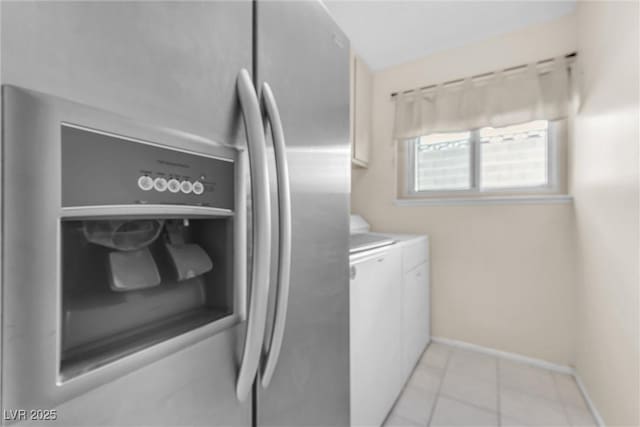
134,272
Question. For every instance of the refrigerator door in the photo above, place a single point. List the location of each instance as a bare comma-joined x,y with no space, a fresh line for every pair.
171,64
304,58
165,64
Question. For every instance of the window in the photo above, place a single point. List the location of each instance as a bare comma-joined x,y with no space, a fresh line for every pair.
514,159
442,162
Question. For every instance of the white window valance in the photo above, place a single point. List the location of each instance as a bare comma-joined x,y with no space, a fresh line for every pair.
497,99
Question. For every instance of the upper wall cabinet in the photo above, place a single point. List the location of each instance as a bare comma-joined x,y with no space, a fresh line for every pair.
361,98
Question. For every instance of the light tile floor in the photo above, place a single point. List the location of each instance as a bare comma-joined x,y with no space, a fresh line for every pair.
455,387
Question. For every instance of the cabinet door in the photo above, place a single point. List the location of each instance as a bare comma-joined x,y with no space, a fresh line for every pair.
415,314
375,327
362,91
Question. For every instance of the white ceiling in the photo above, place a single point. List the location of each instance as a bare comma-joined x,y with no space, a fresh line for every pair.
387,32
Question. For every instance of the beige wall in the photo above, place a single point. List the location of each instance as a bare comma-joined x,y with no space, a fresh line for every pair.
502,275
605,186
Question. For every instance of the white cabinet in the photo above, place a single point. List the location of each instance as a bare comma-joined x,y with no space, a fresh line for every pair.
376,343
416,297
415,314
415,251
361,100
389,324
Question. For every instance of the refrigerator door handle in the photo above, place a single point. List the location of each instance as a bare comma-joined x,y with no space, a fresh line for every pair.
284,207
257,315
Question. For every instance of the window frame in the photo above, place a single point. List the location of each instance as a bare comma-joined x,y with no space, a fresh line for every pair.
475,162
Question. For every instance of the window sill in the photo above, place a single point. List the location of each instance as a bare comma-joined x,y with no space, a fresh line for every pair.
488,200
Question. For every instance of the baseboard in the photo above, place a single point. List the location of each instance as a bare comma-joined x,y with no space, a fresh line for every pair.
590,403
539,363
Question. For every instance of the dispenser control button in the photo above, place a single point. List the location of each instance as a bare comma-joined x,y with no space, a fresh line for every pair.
145,183
198,188
173,185
160,184
186,187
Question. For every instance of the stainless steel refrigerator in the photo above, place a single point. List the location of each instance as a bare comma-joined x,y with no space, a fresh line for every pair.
172,73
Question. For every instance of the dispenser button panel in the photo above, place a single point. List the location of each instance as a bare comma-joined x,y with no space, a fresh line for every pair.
100,168
160,184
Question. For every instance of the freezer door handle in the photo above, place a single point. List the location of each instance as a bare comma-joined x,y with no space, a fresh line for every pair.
284,208
257,315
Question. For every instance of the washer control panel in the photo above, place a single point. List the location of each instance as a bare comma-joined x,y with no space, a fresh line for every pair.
99,168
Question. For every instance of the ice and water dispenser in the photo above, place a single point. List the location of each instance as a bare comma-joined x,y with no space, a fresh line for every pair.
147,244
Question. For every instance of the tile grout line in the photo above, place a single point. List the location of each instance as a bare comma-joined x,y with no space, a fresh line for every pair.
561,400
550,368
437,395
406,384
545,399
404,387
467,403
